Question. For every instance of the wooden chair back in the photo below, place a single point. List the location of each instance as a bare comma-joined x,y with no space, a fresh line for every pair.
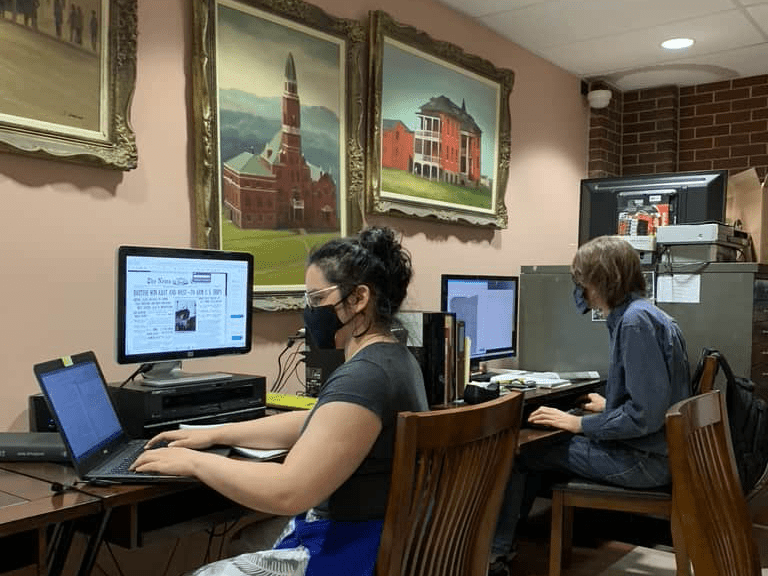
448,477
580,493
707,500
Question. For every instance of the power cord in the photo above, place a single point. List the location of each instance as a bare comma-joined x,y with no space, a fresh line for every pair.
299,335
140,370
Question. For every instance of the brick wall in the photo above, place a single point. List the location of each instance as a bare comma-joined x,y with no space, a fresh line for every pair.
649,131
714,126
724,125
605,136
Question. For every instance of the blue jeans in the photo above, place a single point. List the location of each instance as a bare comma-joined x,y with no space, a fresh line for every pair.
609,462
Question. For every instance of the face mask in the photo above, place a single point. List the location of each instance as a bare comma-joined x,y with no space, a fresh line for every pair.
578,298
322,323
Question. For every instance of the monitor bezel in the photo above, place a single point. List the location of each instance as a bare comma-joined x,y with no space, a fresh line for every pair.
124,252
446,278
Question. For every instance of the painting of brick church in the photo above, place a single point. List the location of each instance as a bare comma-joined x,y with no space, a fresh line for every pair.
282,164
277,187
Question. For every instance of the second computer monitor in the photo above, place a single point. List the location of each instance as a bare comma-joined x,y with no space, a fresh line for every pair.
488,307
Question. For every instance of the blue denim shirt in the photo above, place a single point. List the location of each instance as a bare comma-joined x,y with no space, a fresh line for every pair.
648,372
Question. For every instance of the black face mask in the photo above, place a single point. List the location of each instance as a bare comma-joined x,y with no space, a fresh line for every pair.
578,298
321,324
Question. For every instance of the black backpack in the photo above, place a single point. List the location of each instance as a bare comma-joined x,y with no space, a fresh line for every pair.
748,421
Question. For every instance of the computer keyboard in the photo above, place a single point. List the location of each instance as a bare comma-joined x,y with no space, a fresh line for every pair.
290,401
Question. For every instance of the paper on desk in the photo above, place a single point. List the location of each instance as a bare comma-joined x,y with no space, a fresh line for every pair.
242,450
538,379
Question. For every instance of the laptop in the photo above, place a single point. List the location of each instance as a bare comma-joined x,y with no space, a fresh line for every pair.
98,446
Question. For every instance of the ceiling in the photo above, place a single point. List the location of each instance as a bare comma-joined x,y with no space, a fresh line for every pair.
619,40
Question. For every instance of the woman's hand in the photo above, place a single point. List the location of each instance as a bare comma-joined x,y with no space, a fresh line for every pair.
548,416
594,402
184,438
173,461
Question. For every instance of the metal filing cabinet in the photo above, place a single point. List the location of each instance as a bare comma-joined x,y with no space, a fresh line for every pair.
731,315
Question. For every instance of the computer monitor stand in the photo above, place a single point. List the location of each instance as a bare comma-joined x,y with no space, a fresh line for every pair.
169,373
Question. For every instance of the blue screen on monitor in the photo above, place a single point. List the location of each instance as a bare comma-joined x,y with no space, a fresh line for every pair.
488,307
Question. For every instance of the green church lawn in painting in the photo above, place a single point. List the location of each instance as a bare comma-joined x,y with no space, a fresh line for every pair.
279,256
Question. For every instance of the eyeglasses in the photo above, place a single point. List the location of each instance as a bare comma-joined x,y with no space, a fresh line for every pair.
315,298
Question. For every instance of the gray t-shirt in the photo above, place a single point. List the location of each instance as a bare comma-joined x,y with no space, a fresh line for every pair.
386,379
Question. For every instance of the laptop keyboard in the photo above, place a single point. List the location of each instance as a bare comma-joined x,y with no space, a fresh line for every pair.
123,461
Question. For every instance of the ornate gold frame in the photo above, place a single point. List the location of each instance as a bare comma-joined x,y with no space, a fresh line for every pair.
381,25
117,150
206,132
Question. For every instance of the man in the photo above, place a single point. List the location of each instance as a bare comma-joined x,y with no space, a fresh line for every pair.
623,441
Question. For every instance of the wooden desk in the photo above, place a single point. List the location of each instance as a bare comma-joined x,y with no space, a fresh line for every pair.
28,509
138,514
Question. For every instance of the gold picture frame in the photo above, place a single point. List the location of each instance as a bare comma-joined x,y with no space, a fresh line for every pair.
246,135
433,109
72,101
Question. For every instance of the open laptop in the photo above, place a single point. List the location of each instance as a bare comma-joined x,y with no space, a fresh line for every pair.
98,446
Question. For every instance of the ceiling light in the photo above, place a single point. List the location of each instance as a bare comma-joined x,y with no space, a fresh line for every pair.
677,43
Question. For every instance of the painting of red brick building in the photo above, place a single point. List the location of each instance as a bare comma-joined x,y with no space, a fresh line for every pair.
445,146
396,145
277,188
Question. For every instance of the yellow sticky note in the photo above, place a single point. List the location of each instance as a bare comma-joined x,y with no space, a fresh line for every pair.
66,360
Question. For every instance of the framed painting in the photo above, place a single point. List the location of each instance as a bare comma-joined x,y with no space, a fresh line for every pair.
69,75
439,129
279,133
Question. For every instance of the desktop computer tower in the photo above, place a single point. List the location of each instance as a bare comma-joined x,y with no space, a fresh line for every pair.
320,363
431,338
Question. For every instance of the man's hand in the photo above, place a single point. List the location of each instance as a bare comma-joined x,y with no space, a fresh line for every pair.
548,416
593,402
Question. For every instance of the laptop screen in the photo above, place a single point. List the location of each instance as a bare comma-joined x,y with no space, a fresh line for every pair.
80,400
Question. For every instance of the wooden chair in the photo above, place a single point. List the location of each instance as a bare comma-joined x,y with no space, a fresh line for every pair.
582,493
449,473
707,499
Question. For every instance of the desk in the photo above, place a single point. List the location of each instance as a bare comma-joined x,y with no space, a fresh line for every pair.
27,509
142,513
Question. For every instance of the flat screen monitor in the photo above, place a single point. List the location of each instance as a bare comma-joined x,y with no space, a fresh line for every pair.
488,307
178,303
637,205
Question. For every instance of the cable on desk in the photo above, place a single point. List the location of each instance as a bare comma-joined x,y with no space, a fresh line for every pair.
59,487
280,371
140,370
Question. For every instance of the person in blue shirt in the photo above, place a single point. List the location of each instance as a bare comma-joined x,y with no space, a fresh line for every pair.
622,440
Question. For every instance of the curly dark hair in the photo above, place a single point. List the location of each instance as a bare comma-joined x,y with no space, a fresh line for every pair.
374,257
611,265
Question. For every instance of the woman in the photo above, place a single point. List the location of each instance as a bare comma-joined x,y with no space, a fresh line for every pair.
335,478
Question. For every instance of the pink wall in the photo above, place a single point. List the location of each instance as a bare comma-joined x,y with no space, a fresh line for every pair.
62,223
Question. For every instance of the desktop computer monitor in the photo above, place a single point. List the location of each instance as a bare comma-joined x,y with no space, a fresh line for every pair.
178,303
637,205
488,307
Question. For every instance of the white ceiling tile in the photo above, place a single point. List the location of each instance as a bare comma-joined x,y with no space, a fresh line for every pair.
747,61
480,7
665,76
565,21
724,31
760,15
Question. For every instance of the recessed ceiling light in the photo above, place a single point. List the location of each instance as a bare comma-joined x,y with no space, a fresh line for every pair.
677,43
